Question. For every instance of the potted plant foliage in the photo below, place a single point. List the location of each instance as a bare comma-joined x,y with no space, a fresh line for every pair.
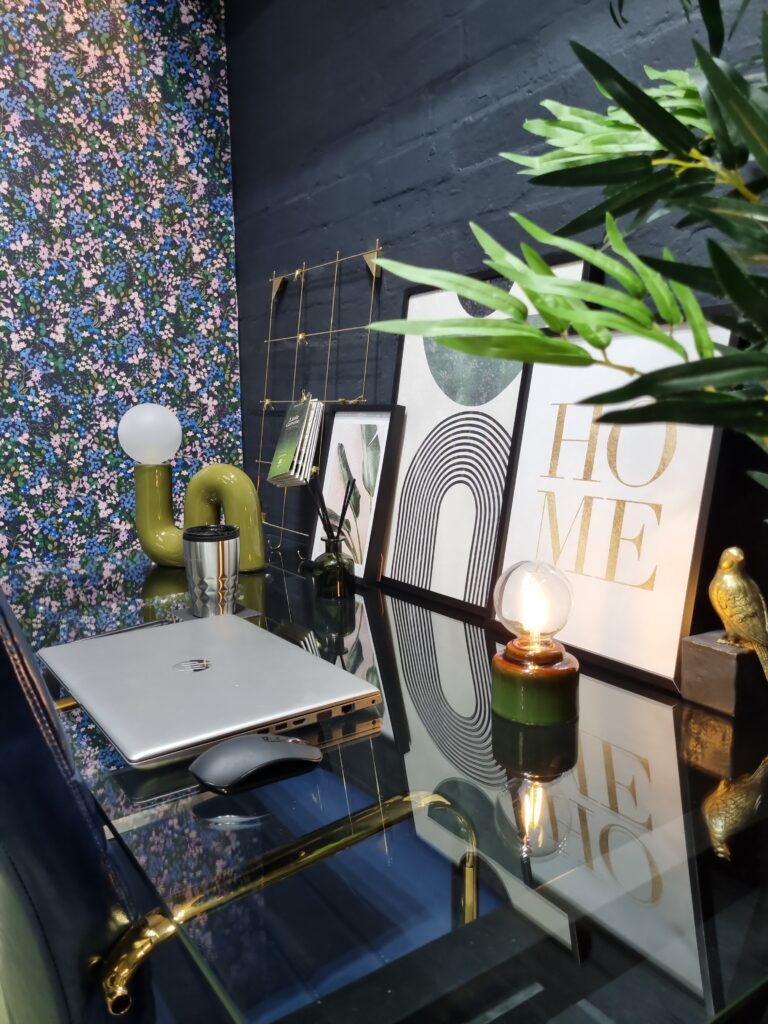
687,142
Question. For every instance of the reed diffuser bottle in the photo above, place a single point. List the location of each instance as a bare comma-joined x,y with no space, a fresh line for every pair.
334,572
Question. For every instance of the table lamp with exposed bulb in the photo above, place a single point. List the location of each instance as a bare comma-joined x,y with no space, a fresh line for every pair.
535,678
151,435
535,711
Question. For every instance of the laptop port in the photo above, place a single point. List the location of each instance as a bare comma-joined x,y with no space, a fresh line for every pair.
299,721
264,729
346,708
322,715
280,726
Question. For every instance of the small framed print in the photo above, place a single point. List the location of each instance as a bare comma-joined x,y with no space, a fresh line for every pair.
619,509
363,444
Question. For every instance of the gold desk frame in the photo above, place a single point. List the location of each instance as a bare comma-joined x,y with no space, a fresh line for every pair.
138,942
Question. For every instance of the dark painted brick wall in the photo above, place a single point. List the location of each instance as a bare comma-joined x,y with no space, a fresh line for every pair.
353,121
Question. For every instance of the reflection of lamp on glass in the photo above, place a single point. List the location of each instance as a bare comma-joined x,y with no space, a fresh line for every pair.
535,711
151,435
535,679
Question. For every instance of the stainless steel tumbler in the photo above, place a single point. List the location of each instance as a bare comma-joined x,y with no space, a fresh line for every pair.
212,561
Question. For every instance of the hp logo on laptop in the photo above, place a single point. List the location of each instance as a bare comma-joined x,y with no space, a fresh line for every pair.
193,665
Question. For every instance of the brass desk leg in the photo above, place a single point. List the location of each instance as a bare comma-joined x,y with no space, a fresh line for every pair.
140,939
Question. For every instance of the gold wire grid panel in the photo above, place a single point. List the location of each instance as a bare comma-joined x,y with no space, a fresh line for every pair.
368,260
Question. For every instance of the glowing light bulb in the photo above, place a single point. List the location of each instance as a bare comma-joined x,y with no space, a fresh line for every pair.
532,802
534,817
150,434
533,600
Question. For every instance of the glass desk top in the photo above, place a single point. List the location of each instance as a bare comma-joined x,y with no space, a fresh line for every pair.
621,912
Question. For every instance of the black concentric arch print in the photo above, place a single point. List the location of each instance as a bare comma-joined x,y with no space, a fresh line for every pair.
464,740
469,448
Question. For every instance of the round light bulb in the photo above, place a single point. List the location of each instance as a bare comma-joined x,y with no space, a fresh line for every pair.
150,434
534,817
533,600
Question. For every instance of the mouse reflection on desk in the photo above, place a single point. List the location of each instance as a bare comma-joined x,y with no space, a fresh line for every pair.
248,761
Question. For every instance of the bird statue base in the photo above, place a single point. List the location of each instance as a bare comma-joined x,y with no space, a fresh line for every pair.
723,676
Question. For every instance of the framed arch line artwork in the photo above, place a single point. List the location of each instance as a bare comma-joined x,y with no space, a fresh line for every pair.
462,413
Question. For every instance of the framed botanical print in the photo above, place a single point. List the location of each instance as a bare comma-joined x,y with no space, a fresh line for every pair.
618,508
461,414
362,445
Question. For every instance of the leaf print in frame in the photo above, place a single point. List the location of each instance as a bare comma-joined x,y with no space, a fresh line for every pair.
362,445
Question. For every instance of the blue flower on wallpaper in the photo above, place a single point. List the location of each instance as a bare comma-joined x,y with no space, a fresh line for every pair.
117,257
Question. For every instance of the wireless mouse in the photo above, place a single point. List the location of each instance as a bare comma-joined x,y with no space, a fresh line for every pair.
247,761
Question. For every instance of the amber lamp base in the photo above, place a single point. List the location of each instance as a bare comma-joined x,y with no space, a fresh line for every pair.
535,684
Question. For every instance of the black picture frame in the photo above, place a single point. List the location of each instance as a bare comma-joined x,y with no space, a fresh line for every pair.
371,572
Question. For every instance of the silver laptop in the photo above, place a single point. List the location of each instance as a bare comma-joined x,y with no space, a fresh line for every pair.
170,691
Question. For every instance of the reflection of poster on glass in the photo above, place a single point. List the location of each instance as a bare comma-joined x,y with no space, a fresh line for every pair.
444,672
624,861
617,508
362,447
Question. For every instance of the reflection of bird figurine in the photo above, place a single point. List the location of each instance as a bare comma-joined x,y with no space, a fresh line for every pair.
732,806
737,600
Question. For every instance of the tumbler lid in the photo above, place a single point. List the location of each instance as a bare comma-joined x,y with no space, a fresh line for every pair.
217,532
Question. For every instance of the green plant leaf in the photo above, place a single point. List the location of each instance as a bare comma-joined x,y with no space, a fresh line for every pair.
732,153
346,476
584,291
522,349
717,372
460,327
371,456
758,476
693,314
702,279
620,273
670,132
705,409
653,281
739,326
487,243
466,287
599,338
739,287
712,17
651,188
605,172
595,319
731,93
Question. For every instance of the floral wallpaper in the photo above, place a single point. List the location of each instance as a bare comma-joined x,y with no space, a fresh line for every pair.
116,257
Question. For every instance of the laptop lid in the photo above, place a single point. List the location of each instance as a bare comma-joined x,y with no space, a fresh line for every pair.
169,691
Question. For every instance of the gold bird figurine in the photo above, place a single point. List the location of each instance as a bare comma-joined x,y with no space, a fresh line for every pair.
732,806
737,600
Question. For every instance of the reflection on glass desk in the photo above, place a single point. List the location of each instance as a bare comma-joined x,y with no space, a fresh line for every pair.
618,911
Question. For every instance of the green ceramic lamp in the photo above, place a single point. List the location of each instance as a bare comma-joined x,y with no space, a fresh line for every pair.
535,679
535,710
151,435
